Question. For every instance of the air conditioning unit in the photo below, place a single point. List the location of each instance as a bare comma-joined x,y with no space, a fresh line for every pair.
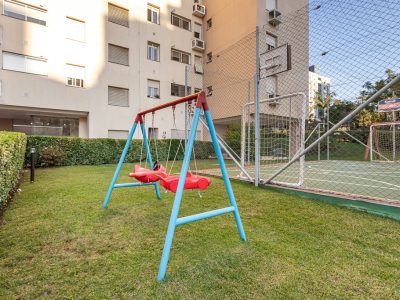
199,10
198,45
274,17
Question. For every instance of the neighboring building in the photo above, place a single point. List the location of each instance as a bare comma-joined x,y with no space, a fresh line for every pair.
231,54
85,68
318,85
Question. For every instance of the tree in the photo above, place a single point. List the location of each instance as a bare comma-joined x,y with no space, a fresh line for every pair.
370,115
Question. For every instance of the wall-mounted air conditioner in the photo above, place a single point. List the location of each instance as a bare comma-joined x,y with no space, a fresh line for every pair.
198,45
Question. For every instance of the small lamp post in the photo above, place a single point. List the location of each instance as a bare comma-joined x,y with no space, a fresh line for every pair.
33,160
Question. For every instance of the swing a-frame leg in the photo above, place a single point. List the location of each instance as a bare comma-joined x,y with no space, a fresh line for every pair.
174,220
113,184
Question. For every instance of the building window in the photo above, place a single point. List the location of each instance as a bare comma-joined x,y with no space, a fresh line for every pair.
271,4
118,15
153,14
197,90
180,56
118,55
209,57
75,29
178,90
24,63
271,41
180,22
153,51
198,64
25,12
180,134
75,75
209,90
209,23
118,134
197,31
152,133
43,125
118,96
153,89
270,86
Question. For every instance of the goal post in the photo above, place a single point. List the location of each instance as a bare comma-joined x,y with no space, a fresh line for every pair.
384,141
282,136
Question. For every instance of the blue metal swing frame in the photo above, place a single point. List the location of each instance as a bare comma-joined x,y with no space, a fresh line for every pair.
174,221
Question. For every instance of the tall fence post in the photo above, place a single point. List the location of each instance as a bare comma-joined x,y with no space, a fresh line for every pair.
186,104
248,123
257,110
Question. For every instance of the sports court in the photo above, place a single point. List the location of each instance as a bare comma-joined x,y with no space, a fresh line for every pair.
378,181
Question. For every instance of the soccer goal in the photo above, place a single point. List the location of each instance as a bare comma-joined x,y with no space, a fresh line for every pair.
281,126
385,141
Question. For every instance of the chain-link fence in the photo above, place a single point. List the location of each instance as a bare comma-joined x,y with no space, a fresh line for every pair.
227,77
353,51
315,123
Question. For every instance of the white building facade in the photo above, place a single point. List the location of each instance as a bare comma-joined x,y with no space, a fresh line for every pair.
86,68
318,85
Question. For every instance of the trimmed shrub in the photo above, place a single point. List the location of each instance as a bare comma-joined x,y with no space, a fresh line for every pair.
12,150
68,151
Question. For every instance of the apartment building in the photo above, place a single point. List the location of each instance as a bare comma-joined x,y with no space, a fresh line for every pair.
85,68
231,54
319,85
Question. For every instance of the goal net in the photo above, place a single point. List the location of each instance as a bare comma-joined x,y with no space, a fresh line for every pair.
281,125
385,142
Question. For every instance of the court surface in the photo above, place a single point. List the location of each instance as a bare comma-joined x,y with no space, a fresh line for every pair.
358,179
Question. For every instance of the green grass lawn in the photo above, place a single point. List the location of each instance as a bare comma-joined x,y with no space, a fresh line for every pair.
57,242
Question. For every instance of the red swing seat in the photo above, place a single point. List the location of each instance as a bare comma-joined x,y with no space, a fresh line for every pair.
146,175
170,182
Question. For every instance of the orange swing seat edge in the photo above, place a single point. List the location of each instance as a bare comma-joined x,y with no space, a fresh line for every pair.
146,175
170,182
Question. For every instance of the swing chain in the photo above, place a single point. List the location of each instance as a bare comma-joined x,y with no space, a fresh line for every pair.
156,164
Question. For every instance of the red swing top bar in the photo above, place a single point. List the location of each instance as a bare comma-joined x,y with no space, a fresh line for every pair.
200,98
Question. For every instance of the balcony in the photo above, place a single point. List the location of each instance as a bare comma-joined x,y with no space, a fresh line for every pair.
199,10
275,17
198,45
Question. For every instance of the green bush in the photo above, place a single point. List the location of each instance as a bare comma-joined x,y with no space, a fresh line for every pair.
52,156
12,149
67,151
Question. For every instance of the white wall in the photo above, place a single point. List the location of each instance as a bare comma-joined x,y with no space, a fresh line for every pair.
51,92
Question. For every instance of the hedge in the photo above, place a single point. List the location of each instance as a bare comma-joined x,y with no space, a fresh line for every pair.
68,151
12,149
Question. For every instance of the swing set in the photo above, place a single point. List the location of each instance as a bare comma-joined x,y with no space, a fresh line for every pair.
157,173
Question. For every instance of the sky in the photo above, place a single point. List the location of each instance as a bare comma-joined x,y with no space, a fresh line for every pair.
354,41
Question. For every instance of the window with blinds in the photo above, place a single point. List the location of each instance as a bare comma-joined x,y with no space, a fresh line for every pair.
153,51
152,133
118,55
198,64
75,75
25,12
118,15
118,96
271,41
118,134
24,63
75,29
180,56
180,22
153,89
153,14
180,134
179,90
